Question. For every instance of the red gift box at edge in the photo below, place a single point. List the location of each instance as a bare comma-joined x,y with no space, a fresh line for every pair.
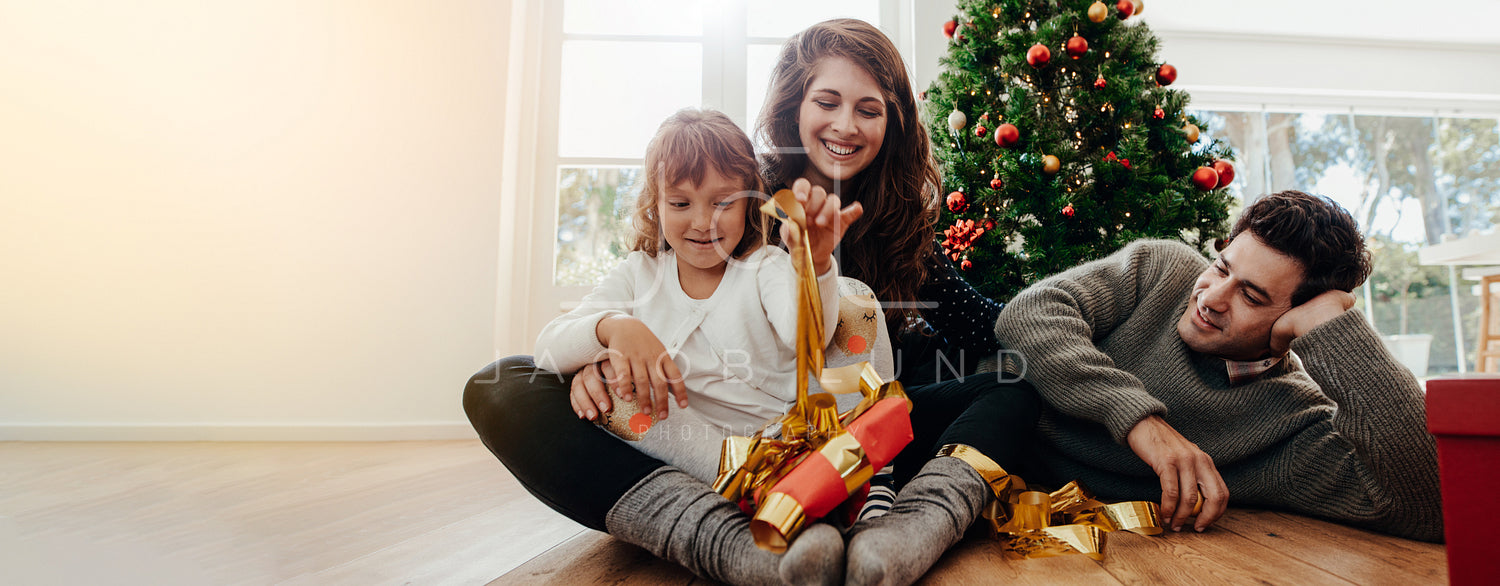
1463,412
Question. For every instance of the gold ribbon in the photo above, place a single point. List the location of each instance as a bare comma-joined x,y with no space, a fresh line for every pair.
1036,524
749,467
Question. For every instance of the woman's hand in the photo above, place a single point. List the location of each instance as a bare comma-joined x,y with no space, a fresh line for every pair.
588,390
826,222
641,364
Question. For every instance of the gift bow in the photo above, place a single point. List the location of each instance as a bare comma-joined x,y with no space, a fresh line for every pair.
1036,524
822,457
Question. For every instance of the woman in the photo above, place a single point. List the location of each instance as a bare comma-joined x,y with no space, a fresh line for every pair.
841,114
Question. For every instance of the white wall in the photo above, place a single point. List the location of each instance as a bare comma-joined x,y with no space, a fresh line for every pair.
247,220
1390,55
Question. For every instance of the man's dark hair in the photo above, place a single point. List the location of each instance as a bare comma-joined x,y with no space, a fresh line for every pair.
1315,231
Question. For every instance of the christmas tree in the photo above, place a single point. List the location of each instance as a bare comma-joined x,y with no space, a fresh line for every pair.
1060,141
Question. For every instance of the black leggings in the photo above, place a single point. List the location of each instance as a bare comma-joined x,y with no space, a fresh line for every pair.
523,415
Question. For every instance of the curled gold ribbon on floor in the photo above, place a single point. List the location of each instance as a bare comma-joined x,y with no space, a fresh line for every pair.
1036,524
821,456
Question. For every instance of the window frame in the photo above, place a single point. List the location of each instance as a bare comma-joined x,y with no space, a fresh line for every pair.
529,298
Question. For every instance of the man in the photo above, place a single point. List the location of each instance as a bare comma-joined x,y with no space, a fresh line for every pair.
1166,376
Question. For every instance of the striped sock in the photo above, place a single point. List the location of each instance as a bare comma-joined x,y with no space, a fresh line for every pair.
882,494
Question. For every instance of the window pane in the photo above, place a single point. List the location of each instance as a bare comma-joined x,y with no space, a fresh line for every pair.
613,17
1408,182
784,18
758,62
594,205
615,94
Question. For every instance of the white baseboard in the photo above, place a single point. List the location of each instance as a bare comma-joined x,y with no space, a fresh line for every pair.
235,432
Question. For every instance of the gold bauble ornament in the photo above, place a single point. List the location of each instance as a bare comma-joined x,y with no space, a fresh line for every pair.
1098,12
1191,130
1050,165
1140,6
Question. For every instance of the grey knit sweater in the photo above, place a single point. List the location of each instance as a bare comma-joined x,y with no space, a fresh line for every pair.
1337,430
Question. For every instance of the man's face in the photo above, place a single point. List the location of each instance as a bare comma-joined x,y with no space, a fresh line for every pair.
1238,298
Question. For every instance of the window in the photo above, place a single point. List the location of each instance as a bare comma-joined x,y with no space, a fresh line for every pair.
1410,181
625,67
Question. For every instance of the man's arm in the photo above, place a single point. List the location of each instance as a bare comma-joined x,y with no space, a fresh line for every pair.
1378,467
1054,325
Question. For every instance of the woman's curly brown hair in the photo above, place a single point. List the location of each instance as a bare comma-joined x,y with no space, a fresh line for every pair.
890,247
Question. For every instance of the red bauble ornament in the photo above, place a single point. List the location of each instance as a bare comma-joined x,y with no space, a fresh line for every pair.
957,203
1158,114
1068,210
1038,55
1225,171
978,131
1007,135
949,27
1077,46
1206,178
1125,8
989,224
1166,74
966,264
996,183
1099,83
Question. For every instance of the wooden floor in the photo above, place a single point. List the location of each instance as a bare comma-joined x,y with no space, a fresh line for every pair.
265,513
1245,547
448,513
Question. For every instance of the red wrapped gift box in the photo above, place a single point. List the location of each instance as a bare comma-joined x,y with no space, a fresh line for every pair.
1463,412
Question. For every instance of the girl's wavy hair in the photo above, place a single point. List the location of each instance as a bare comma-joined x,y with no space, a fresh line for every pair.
685,146
890,247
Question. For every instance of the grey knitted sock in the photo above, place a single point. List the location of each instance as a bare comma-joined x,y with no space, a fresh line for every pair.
929,516
682,520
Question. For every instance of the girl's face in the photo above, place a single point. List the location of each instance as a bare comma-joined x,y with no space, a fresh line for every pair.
841,121
703,223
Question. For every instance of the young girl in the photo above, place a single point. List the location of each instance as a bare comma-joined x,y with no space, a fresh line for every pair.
705,310
702,308
841,116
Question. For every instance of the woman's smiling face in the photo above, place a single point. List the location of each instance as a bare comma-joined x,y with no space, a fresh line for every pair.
841,122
